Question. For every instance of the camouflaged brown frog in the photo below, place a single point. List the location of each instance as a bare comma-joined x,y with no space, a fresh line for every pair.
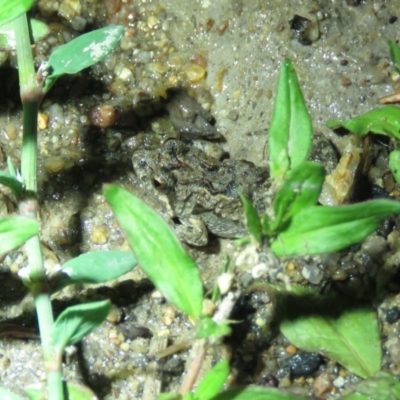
196,190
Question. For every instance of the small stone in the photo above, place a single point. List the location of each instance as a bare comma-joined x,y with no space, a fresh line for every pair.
100,235
103,116
194,73
345,81
392,315
57,164
168,315
339,382
304,364
43,121
312,273
11,131
323,384
225,282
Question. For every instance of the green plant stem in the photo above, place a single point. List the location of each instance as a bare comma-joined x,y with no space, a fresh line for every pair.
31,97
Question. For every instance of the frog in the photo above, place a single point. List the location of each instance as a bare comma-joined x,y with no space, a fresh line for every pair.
196,187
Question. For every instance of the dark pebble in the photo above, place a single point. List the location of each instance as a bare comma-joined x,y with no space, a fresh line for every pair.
304,364
392,19
392,315
133,331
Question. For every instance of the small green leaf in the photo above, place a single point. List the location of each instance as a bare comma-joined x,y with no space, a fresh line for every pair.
334,327
253,221
15,231
383,386
394,51
209,328
266,224
323,229
94,267
83,52
213,381
301,188
355,396
10,9
256,393
77,321
158,251
7,395
290,132
11,168
394,164
384,121
12,183
7,36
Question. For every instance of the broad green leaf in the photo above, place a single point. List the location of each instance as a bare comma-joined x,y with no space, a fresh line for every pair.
94,267
77,321
209,328
301,188
15,231
252,218
343,338
394,164
290,132
384,120
82,52
323,229
383,386
12,183
256,393
7,395
213,381
10,9
158,251
394,51
7,36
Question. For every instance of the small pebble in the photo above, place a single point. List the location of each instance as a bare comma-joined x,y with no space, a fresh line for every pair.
43,121
339,382
345,81
100,235
323,384
168,316
304,364
103,116
312,273
194,72
392,315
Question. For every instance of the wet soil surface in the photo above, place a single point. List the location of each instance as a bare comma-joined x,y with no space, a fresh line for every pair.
187,153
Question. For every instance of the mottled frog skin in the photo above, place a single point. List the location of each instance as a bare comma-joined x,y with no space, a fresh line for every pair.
196,191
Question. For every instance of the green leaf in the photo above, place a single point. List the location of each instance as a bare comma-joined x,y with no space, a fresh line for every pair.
15,231
158,251
75,392
394,164
323,229
7,36
12,183
384,121
10,9
383,386
290,132
252,218
209,328
301,188
7,395
77,321
355,396
11,168
212,383
94,267
394,51
82,52
323,324
256,393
